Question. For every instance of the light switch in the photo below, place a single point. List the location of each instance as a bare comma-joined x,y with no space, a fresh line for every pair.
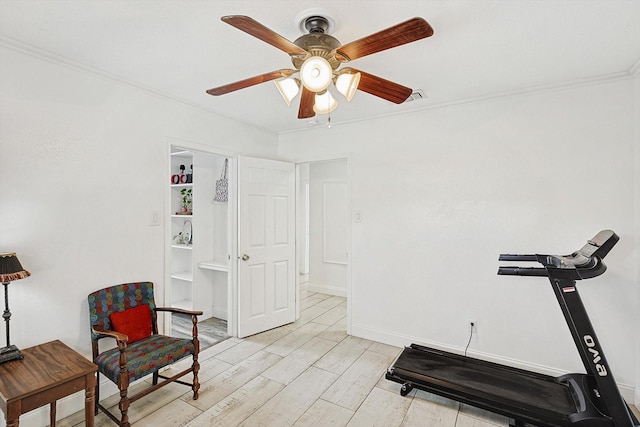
357,215
155,218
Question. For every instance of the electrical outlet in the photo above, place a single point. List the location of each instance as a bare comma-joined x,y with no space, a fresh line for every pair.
473,326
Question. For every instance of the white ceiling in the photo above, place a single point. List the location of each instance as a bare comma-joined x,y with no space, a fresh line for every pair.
480,49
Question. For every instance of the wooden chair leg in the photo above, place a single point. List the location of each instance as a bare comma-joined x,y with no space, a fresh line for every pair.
97,393
196,384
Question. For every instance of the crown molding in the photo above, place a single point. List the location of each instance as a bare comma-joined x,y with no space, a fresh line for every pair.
25,48
54,58
634,70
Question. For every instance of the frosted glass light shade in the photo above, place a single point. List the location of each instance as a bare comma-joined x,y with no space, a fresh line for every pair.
324,103
316,74
347,84
288,88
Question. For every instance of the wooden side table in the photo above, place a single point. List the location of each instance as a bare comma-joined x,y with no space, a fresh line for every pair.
47,373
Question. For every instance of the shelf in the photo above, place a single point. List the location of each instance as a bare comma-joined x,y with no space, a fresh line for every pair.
214,265
185,185
182,153
186,247
181,216
187,276
184,304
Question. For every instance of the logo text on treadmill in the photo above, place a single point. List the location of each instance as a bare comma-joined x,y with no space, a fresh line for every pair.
591,344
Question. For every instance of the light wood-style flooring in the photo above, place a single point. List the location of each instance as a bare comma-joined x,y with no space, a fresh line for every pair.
309,373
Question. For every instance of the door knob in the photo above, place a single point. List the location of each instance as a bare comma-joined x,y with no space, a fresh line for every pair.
245,257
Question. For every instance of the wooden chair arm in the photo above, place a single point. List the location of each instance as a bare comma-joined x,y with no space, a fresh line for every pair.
103,333
180,310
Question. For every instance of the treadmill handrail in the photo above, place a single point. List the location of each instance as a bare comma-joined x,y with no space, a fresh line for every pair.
585,263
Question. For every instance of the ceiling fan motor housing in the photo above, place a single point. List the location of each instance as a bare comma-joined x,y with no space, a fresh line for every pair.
317,42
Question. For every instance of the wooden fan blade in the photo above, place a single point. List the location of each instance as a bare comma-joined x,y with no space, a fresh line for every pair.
231,87
405,32
256,29
383,88
307,99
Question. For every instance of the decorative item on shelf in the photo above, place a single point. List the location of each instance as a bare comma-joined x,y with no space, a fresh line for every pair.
184,237
222,185
190,176
185,201
10,270
181,178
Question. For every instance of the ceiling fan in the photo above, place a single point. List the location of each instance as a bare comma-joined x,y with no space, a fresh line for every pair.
316,58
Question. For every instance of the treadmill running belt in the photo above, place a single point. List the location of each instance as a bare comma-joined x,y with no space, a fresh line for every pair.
485,378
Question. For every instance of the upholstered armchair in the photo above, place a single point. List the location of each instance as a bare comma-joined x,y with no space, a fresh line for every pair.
127,313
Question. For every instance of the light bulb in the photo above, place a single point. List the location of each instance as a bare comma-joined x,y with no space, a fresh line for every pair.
316,74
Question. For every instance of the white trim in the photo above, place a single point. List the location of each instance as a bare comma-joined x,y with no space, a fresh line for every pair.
338,291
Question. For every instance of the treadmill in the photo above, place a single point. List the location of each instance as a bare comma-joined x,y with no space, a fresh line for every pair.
589,400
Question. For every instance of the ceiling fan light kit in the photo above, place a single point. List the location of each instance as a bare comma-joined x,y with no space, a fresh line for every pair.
316,58
347,83
289,88
324,103
316,74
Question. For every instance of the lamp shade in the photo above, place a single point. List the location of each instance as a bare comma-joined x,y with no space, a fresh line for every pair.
324,103
288,88
316,73
347,84
10,268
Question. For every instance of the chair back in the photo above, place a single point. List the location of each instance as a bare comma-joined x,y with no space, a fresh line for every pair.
119,298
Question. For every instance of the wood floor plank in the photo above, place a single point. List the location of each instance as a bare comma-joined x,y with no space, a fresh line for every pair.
336,332
239,405
294,400
465,420
343,355
332,301
352,388
381,408
239,352
287,344
323,413
431,410
332,315
227,382
287,369
178,413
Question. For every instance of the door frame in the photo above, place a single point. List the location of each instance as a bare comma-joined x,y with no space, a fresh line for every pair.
320,159
232,228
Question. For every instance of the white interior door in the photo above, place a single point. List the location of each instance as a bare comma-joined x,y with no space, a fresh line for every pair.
266,245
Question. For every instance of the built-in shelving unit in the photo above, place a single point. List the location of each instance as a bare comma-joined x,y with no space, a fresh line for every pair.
199,241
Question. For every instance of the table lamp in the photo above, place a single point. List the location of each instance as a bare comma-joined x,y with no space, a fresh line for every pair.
10,270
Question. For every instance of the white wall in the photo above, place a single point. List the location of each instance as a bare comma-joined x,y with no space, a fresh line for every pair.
82,164
328,238
444,191
637,217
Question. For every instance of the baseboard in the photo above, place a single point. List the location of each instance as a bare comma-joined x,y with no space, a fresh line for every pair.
219,313
629,393
327,289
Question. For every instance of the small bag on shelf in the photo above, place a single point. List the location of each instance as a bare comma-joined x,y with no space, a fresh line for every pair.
222,185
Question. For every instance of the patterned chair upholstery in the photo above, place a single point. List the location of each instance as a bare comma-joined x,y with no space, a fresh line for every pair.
130,361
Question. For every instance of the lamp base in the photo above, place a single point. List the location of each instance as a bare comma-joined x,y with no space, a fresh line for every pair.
10,353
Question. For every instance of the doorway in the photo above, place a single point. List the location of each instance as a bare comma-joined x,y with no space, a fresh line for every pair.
323,227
